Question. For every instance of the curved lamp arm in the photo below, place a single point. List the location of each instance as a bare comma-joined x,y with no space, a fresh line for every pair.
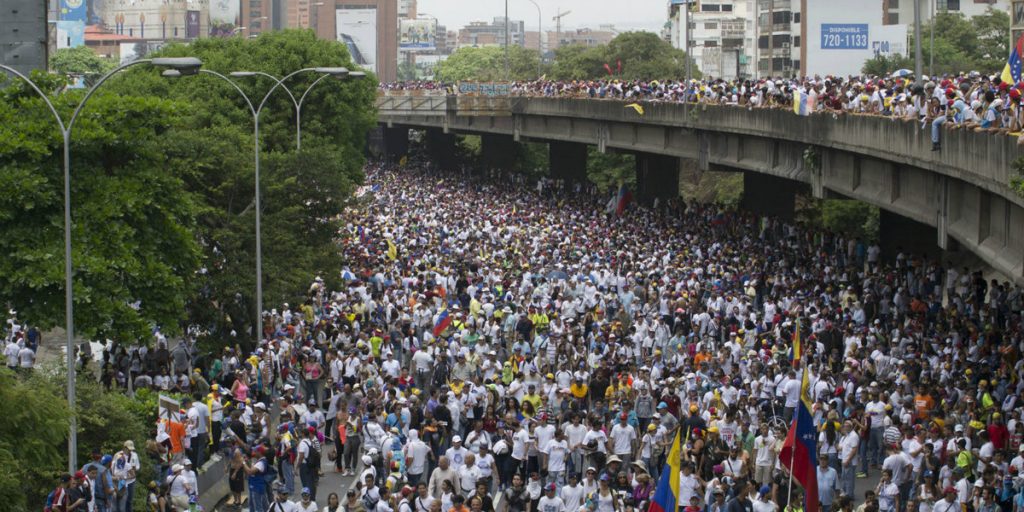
46,99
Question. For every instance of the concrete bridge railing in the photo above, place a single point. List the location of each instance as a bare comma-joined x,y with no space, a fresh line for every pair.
961,193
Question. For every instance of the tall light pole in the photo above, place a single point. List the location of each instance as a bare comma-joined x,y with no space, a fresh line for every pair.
917,40
326,71
182,65
540,33
297,103
506,41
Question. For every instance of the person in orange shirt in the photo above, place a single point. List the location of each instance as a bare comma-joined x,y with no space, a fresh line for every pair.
923,403
176,431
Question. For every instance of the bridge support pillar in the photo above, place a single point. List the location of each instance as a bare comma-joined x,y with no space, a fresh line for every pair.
897,234
768,195
396,143
441,148
568,161
497,151
657,177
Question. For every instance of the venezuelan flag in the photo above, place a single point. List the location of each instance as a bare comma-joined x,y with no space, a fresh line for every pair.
800,448
624,197
1012,70
443,321
666,495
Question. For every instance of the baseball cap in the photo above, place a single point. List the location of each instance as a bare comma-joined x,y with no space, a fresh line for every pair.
305,491
456,439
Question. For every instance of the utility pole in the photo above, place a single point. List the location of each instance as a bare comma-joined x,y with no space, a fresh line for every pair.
506,41
917,40
689,58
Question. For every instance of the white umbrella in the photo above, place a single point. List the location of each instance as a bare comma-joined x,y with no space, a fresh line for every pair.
900,73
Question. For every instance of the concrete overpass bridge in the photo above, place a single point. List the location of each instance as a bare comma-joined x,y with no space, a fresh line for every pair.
957,197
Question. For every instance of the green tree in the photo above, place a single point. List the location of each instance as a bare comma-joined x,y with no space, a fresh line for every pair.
32,437
487,64
643,55
961,44
212,150
609,170
883,65
81,61
406,70
133,246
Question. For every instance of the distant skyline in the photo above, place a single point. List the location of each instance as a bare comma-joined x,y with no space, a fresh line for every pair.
648,15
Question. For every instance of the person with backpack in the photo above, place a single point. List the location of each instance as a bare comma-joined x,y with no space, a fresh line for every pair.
307,459
59,499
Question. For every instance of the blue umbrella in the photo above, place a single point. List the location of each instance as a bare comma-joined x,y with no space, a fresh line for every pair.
901,73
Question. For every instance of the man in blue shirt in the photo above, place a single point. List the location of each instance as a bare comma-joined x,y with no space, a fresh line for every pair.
828,479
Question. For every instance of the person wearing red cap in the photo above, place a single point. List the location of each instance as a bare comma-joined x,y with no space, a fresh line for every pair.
79,493
624,439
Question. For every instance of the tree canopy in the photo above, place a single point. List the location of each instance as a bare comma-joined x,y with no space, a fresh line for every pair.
163,190
487,64
642,55
980,43
81,61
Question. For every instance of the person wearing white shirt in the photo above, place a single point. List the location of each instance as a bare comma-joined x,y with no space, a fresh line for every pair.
468,475
623,437
26,358
549,502
281,503
572,495
849,449
417,453
557,450
11,354
457,453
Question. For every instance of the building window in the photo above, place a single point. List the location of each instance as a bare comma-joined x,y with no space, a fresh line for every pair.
710,26
796,41
796,17
175,31
710,7
710,43
892,18
894,4
727,8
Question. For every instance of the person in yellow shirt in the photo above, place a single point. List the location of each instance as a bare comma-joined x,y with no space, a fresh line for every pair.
579,389
532,397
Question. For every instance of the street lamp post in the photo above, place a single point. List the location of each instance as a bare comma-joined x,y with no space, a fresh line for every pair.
182,65
255,111
540,32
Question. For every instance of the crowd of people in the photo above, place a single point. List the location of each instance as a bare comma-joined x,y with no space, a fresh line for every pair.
965,101
496,345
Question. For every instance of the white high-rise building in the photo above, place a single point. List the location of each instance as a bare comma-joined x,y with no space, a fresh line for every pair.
721,35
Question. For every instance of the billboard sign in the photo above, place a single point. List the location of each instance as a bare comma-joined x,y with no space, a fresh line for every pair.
70,34
191,24
844,36
73,10
224,12
357,28
417,34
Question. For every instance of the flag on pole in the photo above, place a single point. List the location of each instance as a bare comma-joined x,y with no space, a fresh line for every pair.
1012,71
624,197
666,495
443,321
800,106
392,251
800,448
796,345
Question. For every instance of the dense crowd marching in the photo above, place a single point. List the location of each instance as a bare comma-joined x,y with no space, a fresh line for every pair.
965,101
498,345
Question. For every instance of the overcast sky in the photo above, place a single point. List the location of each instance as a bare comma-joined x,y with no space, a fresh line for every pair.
624,14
